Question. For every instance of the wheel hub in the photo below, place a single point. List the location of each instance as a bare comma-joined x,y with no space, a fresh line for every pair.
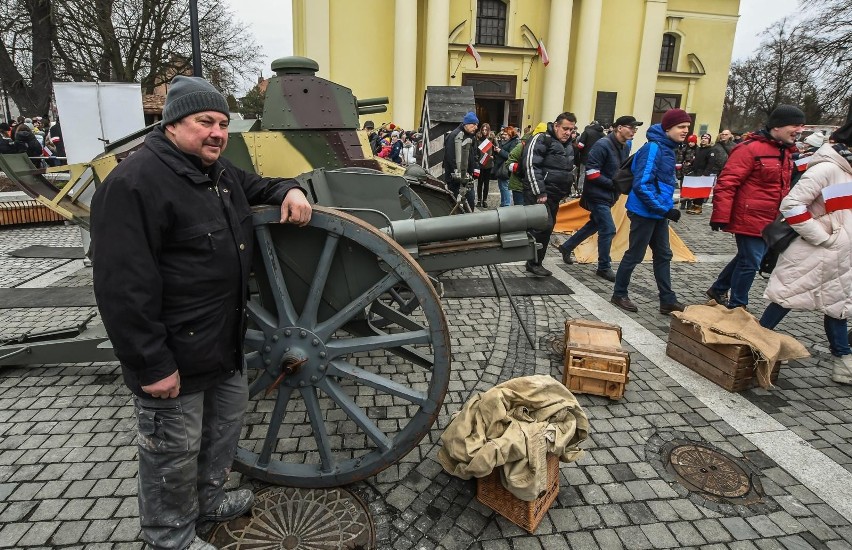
299,355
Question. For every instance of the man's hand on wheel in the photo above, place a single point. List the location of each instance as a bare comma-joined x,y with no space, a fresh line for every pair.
296,209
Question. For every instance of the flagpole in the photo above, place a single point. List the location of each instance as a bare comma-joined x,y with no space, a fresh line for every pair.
532,61
461,58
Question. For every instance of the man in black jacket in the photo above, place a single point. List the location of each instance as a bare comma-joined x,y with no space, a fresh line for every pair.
7,144
599,193
460,159
548,164
171,249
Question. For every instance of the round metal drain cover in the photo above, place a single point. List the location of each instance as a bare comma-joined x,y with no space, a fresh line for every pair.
709,471
286,518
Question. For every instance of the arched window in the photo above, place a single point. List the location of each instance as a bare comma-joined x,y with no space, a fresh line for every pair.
491,23
667,53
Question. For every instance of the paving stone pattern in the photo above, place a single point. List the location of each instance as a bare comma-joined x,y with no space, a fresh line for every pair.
68,456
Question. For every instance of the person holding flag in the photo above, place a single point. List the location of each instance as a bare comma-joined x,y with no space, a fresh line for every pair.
484,161
815,271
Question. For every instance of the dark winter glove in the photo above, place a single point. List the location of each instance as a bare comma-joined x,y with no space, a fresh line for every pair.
673,214
716,226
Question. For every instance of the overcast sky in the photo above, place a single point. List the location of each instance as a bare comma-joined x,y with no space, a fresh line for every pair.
271,23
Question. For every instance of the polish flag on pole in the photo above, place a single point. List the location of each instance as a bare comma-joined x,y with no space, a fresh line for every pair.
542,53
697,187
802,164
485,148
838,197
472,51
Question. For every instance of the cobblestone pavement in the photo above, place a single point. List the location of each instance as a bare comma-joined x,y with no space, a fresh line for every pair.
68,455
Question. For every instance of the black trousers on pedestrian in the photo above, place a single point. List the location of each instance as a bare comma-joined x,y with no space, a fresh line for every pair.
542,236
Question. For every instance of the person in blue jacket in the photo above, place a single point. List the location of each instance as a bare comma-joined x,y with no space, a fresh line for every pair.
599,193
650,206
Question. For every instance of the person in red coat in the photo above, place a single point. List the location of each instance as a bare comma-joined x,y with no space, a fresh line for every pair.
747,195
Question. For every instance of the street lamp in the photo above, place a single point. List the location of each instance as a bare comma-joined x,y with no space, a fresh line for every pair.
196,39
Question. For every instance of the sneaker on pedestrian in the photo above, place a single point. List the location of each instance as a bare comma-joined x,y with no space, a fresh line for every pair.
842,371
720,298
665,309
624,303
539,270
607,274
566,255
234,505
694,209
199,544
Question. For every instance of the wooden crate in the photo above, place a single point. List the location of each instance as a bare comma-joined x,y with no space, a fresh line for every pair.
526,515
595,362
731,366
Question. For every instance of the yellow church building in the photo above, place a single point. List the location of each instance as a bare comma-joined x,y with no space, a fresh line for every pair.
607,58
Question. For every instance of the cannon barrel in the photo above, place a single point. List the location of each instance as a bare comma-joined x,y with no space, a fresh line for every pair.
372,109
509,219
372,101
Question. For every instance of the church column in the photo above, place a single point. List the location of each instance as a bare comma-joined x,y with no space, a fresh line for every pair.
556,73
437,30
585,69
649,59
318,36
404,65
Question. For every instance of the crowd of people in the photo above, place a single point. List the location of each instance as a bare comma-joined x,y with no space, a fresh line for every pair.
755,178
37,137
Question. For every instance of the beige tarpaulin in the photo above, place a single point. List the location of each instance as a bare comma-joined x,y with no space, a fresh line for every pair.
571,218
719,325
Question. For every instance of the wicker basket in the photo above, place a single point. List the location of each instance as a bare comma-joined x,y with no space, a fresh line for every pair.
526,515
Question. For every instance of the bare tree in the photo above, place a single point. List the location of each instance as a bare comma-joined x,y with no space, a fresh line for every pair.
145,41
26,56
829,24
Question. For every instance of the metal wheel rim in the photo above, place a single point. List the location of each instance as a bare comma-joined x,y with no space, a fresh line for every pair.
318,378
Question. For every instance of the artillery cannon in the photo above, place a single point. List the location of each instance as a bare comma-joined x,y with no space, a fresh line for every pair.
342,312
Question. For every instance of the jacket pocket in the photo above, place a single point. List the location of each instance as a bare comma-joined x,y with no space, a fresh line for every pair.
202,344
770,169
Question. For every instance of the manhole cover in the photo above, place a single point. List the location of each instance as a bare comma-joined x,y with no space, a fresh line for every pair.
707,475
709,471
285,518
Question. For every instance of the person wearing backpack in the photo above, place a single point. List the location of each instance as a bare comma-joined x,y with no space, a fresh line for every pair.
599,193
548,165
650,206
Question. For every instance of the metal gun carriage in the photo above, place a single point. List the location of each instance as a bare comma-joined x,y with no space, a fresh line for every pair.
343,317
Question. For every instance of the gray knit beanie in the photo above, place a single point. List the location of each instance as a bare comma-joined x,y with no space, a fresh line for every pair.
192,94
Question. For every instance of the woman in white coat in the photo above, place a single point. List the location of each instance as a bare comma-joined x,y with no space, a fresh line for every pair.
815,272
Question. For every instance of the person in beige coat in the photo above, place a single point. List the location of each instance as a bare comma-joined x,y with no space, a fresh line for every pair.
815,271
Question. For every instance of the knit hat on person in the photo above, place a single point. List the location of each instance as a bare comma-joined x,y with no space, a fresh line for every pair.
692,138
470,118
785,115
815,140
4,127
673,117
189,95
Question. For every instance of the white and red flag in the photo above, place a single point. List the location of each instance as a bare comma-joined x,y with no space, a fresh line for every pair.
542,53
838,197
697,187
802,164
485,148
472,51
592,174
797,214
